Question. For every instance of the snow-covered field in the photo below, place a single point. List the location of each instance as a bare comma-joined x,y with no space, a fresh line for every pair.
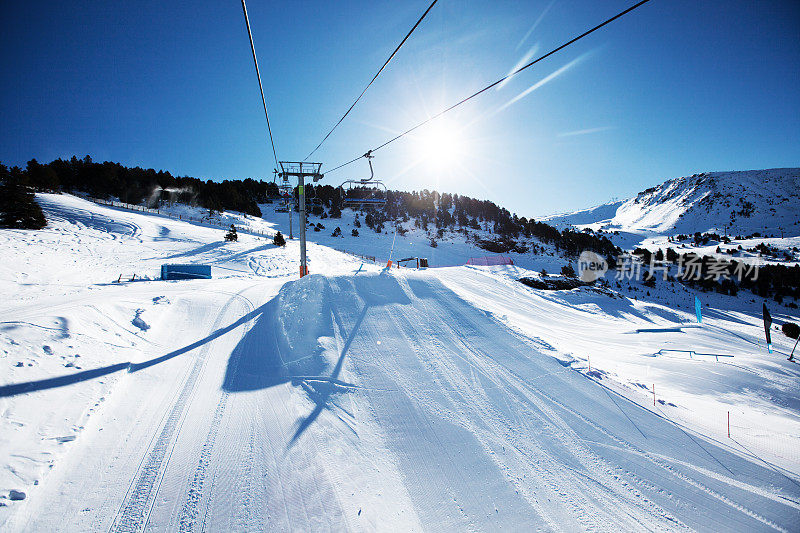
445,399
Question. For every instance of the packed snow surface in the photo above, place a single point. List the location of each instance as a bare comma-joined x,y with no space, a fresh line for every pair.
365,399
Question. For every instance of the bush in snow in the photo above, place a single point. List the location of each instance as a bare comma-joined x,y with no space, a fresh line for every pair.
672,255
337,232
791,330
552,284
231,235
645,254
354,233
500,245
278,240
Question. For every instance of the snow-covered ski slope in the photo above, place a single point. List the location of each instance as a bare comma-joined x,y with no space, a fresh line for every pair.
447,399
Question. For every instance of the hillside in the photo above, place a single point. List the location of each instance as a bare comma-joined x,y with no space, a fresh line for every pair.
426,216
733,203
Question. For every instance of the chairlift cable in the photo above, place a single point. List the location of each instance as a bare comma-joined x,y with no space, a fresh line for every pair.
260,86
372,80
345,164
501,80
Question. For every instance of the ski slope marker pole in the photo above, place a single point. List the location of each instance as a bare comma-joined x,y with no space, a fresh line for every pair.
654,394
391,251
729,424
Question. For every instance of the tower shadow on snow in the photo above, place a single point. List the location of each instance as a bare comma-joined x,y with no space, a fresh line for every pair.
14,389
271,353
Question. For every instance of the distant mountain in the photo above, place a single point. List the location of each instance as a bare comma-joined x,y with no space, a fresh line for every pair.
744,202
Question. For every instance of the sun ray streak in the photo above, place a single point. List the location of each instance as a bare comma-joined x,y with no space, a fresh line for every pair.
544,81
547,79
524,61
538,20
585,132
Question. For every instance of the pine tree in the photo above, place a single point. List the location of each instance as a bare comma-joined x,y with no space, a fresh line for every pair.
42,177
278,240
232,235
18,207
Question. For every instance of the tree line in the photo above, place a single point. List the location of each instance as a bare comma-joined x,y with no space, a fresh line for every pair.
446,211
442,211
726,276
136,185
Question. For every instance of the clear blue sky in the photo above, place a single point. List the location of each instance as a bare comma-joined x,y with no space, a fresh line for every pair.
674,88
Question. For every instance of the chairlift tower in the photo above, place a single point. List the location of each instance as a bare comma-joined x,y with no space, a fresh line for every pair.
301,170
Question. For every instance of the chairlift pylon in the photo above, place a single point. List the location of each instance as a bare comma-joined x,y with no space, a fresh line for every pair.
365,192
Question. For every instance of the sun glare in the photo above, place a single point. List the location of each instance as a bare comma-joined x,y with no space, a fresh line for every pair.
440,146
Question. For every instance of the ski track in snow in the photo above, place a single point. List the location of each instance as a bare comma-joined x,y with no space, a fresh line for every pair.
427,334
134,515
556,475
368,401
190,511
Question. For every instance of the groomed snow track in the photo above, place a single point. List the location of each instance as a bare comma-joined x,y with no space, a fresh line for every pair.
384,401
490,434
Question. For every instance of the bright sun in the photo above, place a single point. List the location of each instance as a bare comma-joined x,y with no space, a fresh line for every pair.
439,145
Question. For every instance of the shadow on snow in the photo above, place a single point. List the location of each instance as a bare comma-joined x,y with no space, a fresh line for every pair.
273,352
85,375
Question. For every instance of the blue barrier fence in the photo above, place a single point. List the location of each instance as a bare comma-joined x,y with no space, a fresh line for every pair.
185,272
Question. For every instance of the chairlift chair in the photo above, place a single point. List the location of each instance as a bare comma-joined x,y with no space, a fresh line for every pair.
366,192
286,191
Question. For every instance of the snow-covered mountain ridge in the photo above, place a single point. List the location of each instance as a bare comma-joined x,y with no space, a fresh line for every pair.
736,203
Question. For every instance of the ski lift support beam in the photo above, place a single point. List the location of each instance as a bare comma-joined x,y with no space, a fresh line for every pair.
301,170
